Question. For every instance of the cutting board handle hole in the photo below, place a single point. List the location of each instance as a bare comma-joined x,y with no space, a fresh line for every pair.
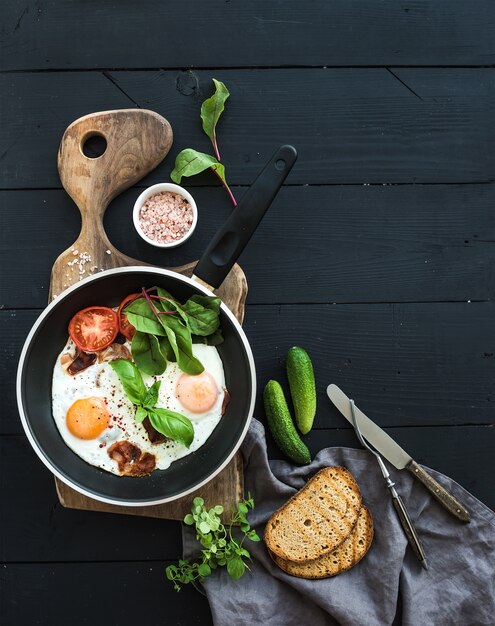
93,145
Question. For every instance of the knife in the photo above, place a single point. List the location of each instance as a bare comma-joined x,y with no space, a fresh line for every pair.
399,506
396,455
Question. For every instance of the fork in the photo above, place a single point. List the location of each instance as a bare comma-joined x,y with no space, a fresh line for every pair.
402,514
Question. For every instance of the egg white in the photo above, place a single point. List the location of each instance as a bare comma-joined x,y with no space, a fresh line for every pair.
99,380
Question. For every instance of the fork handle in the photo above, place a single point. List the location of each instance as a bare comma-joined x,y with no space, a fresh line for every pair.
441,494
408,527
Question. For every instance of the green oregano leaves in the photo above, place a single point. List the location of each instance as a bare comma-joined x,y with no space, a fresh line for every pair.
221,547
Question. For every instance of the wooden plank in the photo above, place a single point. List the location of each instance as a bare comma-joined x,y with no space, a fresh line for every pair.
381,243
90,185
85,594
250,33
38,529
406,364
359,126
226,488
42,530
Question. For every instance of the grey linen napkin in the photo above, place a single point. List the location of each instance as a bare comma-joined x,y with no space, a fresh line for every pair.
388,586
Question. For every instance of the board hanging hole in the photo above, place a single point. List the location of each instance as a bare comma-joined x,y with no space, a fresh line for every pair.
93,145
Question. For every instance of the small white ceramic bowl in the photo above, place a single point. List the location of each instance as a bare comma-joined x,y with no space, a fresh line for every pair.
151,191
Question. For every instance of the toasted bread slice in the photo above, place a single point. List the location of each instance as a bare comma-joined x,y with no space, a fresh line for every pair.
317,519
339,560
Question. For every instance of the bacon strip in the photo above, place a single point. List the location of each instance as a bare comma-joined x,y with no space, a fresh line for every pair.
131,460
153,435
226,400
114,351
82,361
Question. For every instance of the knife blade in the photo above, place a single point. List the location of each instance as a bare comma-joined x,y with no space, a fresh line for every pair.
397,455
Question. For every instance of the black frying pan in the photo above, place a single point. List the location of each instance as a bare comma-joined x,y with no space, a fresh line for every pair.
49,334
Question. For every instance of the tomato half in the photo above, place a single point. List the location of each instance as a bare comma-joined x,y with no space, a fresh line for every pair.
94,328
125,327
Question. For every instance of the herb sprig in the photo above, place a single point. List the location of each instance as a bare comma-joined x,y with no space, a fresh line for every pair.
171,424
190,162
220,547
166,330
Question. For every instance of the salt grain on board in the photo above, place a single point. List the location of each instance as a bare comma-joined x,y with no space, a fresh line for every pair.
166,217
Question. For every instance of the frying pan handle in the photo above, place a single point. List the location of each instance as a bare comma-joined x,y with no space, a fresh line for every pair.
231,239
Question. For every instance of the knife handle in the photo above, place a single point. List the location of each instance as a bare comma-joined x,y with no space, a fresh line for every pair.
410,531
445,498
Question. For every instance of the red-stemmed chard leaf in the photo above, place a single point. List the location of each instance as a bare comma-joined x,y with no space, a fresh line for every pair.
190,162
211,109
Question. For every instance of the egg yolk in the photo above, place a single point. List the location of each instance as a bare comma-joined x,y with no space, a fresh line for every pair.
87,418
197,394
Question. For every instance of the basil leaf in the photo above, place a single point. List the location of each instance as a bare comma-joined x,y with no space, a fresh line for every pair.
152,395
211,109
181,342
201,321
173,425
147,355
190,162
131,380
142,317
141,414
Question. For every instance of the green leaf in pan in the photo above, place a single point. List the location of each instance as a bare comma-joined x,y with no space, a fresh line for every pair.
131,380
141,414
209,302
172,425
181,342
152,396
147,354
166,349
200,320
143,319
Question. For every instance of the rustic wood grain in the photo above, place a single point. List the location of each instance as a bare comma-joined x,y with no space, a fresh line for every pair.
256,34
424,368
359,125
227,488
447,500
397,243
136,142
107,599
37,528
422,364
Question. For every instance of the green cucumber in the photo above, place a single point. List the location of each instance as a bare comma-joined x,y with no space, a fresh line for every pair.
302,387
281,425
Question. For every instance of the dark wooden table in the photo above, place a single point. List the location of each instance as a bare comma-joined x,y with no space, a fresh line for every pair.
378,255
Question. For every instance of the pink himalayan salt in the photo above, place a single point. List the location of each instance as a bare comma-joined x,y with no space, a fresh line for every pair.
166,217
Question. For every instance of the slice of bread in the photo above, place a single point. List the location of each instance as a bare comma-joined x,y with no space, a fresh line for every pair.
317,519
339,560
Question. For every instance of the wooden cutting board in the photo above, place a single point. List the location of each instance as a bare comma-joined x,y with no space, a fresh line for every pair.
136,142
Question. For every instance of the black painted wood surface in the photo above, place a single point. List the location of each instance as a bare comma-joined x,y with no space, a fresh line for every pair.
377,256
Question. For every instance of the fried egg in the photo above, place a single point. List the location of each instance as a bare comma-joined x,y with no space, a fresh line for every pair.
92,411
